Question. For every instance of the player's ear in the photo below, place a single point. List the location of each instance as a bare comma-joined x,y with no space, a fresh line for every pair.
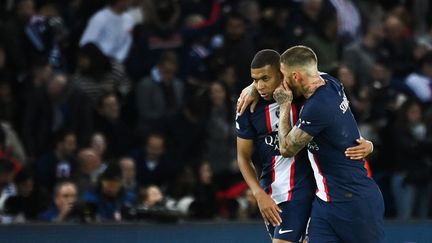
295,75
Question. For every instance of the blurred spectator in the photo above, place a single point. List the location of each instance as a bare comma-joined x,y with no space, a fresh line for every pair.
109,122
55,106
153,164
59,163
95,74
358,96
420,82
129,171
150,196
236,48
159,95
153,205
110,28
325,42
396,47
12,145
220,145
360,56
110,195
34,35
411,182
163,31
65,198
18,31
7,101
29,202
372,13
205,204
90,167
194,62
7,187
99,145
5,150
249,207
304,22
349,20
137,11
186,130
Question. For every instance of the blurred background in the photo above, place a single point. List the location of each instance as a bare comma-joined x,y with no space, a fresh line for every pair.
122,110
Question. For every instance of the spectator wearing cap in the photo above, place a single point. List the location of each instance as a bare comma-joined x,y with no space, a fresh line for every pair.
110,196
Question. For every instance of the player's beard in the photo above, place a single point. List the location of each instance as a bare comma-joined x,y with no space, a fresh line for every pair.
296,91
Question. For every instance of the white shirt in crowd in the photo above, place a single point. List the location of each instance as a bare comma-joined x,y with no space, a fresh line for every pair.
421,85
111,32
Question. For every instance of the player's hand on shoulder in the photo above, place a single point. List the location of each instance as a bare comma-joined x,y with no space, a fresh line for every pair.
248,96
270,211
362,150
283,94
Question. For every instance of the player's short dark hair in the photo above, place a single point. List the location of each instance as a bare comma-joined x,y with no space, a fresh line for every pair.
266,57
298,56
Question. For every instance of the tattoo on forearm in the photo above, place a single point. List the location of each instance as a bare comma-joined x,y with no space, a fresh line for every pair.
280,97
297,139
284,125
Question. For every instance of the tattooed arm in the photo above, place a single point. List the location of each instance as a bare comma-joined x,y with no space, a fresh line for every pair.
293,142
291,139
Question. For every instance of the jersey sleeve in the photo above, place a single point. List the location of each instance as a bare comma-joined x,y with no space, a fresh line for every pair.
315,117
244,127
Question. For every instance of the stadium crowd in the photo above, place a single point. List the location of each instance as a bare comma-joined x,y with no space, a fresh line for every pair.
123,110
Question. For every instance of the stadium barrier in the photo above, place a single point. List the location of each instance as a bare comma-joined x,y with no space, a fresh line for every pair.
396,232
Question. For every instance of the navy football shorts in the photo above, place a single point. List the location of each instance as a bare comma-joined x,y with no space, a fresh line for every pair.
357,221
295,216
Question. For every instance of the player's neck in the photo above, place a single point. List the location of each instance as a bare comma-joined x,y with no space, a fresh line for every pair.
310,87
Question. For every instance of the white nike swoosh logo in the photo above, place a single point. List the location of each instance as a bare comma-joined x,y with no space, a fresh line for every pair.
284,231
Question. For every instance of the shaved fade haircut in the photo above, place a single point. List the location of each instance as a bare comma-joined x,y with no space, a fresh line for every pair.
299,56
266,57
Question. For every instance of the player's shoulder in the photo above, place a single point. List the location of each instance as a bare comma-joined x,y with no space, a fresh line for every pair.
259,108
329,92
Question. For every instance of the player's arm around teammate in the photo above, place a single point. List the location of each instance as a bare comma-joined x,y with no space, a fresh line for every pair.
249,98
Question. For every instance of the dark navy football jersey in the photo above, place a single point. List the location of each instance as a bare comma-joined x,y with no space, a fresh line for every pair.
284,179
327,117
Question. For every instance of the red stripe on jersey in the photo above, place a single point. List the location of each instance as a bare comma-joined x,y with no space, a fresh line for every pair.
273,174
291,179
268,120
294,114
324,179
